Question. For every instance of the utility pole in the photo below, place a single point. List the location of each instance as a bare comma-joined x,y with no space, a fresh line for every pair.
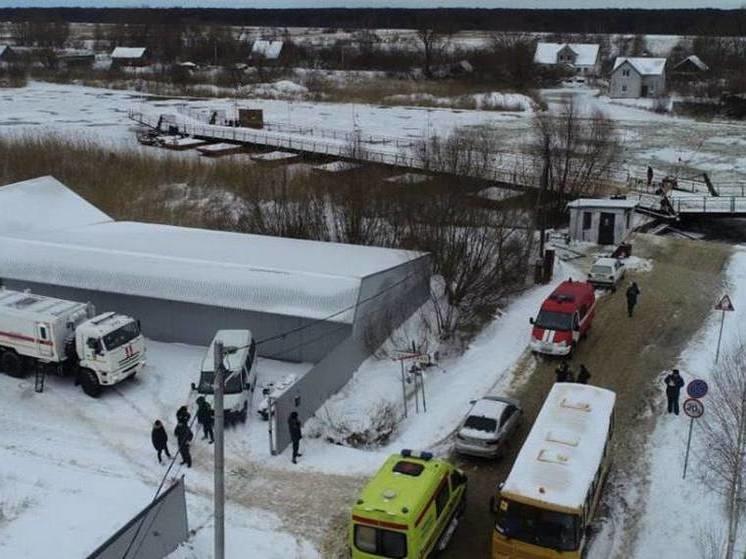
219,480
542,221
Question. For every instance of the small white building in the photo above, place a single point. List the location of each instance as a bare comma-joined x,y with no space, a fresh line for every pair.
266,50
581,57
130,56
601,221
638,77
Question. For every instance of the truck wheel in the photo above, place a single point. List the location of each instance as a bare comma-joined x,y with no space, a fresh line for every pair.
89,382
12,364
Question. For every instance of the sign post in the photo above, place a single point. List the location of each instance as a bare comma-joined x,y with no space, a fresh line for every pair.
725,305
694,409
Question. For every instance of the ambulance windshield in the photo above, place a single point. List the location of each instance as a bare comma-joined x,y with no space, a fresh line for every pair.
549,320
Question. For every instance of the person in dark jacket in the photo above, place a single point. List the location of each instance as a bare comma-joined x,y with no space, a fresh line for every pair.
650,175
160,439
183,415
563,372
633,292
184,436
583,375
673,383
295,434
206,418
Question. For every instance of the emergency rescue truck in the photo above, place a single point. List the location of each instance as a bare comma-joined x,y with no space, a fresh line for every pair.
409,509
564,318
67,337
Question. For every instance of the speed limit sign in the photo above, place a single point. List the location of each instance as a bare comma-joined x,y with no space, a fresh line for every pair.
693,408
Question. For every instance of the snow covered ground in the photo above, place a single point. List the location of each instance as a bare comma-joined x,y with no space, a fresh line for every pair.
681,512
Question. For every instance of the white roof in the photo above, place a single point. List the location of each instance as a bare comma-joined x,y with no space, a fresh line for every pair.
605,261
694,59
268,49
252,272
3,49
128,52
645,66
43,204
236,338
587,53
21,303
562,453
487,407
602,203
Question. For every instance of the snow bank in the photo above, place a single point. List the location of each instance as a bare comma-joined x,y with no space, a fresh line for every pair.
283,89
493,101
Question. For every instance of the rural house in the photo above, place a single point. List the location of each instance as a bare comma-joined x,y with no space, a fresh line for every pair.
130,56
690,66
638,77
583,58
7,55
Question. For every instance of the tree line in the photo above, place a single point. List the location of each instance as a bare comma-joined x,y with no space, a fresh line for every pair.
680,21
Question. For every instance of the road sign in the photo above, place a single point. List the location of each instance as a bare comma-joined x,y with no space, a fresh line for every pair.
694,408
725,304
697,388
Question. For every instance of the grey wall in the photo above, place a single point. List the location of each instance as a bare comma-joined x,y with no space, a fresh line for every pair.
633,83
591,235
402,291
173,321
157,530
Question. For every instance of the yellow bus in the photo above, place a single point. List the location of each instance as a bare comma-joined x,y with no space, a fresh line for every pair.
409,509
547,503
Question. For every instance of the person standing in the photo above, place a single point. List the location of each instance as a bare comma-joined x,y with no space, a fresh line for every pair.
650,175
673,383
563,372
206,418
295,434
583,375
184,436
183,415
633,292
160,439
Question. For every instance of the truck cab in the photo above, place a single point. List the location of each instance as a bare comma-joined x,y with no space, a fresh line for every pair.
240,374
110,348
564,318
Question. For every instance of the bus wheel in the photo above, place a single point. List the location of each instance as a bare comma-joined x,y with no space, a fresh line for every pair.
90,384
12,364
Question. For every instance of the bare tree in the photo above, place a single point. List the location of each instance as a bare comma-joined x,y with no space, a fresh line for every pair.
434,42
724,430
465,152
582,150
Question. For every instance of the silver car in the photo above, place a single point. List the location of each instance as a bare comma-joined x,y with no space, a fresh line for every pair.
488,427
606,272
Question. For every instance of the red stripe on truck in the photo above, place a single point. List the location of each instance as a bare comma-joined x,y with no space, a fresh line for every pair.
380,523
24,338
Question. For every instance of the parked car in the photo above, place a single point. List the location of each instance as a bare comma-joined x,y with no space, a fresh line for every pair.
488,427
606,272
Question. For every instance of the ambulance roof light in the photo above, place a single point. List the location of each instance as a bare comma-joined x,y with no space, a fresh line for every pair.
406,452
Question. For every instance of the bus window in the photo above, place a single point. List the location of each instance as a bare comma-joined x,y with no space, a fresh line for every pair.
536,526
380,542
441,500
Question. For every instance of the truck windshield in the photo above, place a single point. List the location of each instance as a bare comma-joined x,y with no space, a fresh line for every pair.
207,381
121,336
545,528
380,542
549,320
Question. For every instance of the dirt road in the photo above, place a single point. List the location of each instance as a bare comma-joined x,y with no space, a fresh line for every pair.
623,354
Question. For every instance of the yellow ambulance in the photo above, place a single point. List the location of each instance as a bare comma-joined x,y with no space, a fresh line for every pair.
409,509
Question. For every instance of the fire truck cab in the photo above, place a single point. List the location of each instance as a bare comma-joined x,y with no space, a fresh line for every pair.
564,318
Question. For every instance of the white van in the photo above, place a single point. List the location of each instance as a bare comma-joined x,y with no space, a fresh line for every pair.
240,376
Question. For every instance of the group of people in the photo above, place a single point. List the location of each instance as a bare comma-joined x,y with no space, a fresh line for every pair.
183,431
565,374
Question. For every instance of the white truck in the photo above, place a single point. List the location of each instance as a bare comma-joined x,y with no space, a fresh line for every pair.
67,337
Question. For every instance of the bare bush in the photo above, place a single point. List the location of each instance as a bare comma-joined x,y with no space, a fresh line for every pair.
384,419
465,152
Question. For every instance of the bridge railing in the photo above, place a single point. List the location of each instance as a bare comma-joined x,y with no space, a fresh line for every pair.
709,204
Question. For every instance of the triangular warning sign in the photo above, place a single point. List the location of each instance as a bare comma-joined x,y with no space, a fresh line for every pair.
725,304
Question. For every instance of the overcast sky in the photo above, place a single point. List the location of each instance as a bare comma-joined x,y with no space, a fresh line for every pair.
725,4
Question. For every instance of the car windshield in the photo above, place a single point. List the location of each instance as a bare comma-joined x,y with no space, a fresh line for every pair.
481,423
545,528
602,270
380,542
121,336
207,381
549,320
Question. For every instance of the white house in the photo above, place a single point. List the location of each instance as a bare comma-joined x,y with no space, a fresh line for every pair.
601,221
267,50
638,77
582,57
130,56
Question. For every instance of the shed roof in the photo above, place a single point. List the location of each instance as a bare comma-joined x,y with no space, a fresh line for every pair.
3,48
268,49
695,60
44,204
128,52
587,53
602,203
561,455
645,66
